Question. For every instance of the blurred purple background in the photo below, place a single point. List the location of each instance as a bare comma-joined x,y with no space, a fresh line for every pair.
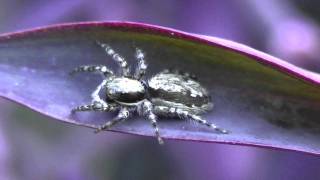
32,147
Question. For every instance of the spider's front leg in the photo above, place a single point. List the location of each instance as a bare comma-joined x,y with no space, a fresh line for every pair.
95,107
95,94
146,109
123,114
93,68
98,104
202,121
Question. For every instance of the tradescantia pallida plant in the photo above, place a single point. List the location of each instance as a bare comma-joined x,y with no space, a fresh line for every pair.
261,100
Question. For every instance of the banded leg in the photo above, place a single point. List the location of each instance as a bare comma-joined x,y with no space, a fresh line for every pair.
146,108
142,66
176,112
116,57
123,114
95,107
211,125
93,68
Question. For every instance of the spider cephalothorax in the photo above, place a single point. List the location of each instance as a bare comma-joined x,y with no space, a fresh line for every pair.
167,94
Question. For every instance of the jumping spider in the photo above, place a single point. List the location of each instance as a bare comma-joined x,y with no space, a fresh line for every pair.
168,94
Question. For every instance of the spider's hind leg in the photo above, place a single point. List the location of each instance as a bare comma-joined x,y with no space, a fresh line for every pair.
183,114
210,125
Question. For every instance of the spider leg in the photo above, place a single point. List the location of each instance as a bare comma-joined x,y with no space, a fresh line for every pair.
95,94
95,107
210,125
146,109
123,114
142,66
183,114
93,68
116,57
98,104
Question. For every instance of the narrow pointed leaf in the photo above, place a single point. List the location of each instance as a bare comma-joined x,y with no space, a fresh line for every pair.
262,100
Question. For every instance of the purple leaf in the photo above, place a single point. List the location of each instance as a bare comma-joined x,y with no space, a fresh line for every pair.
262,100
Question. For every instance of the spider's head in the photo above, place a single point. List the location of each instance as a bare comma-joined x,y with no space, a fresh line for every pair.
125,90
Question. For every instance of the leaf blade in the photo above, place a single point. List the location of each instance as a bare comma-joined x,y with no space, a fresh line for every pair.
264,101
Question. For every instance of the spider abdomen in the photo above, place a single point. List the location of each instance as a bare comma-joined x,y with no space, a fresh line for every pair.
178,90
